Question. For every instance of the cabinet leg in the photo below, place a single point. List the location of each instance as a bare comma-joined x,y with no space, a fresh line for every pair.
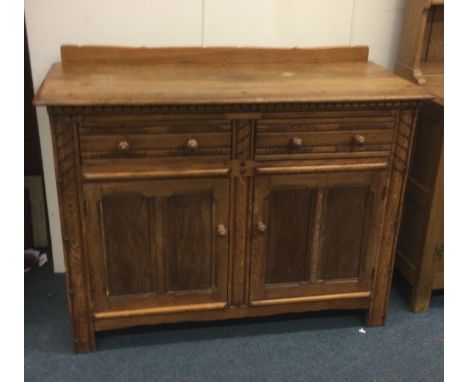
420,298
82,324
377,312
85,345
375,318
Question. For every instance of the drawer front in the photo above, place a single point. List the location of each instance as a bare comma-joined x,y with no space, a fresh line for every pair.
160,139
351,136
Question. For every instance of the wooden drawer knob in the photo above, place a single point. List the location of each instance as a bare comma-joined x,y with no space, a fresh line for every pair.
261,227
192,144
359,139
297,142
222,231
124,146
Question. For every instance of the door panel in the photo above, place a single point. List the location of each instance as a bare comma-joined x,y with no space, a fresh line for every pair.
127,249
289,233
343,232
156,243
315,234
189,240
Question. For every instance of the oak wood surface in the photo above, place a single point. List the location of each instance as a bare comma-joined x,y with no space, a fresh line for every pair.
288,231
420,255
165,247
343,231
74,54
216,312
222,81
395,190
66,158
421,56
189,238
219,195
308,234
125,227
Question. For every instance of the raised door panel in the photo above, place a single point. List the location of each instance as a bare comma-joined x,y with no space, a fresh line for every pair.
127,245
189,237
157,243
288,234
315,234
343,232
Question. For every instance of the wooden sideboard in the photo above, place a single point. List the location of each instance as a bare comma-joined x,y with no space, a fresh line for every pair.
214,183
420,255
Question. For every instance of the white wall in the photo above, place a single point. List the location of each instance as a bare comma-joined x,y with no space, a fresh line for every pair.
282,23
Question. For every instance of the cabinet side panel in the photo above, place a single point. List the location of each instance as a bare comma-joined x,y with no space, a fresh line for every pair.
424,174
412,233
287,253
190,238
126,232
344,231
428,142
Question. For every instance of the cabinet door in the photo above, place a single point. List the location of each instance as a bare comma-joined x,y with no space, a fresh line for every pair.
315,234
158,243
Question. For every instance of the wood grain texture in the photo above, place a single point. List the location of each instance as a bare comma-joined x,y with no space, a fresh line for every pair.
110,173
343,233
318,235
421,56
158,138
159,310
288,235
233,231
126,231
215,82
190,232
391,225
64,138
295,300
72,55
281,144
174,253
430,275
320,168
124,321
420,250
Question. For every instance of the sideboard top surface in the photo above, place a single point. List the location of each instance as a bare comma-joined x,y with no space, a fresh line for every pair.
144,76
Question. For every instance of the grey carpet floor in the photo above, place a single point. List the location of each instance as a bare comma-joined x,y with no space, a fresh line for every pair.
306,347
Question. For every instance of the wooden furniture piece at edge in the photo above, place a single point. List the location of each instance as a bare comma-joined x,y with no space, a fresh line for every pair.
420,254
237,191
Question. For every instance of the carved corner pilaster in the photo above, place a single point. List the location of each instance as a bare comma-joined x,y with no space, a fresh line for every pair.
64,137
397,184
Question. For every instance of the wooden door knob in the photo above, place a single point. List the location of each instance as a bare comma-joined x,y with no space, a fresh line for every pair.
359,139
297,142
261,227
222,231
192,144
124,146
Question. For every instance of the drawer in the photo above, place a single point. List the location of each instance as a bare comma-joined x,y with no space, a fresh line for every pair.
277,139
143,139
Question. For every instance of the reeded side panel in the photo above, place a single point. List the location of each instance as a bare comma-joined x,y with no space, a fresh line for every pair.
343,235
190,242
126,234
290,213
